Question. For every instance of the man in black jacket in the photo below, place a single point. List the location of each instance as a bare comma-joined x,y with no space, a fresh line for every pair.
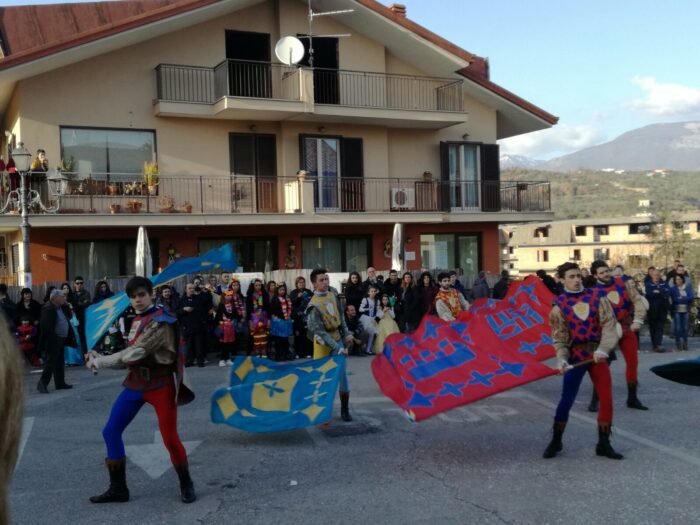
53,331
192,313
500,289
392,286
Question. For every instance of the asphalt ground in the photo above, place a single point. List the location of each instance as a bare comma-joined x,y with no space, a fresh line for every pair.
477,464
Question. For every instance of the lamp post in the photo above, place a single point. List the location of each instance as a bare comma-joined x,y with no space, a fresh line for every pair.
23,158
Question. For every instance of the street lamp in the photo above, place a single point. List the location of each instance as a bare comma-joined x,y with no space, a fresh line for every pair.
23,159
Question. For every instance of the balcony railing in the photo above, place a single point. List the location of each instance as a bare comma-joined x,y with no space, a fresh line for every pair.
102,193
265,80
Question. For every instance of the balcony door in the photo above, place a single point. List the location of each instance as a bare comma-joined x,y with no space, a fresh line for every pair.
470,177
249,69
321,159
253,159
326,81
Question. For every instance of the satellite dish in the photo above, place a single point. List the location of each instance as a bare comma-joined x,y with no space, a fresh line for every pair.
289,50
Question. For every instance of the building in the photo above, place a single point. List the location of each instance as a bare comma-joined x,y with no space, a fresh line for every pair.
296,166
526,248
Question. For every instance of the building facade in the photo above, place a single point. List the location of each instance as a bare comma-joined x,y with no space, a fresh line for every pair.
177,116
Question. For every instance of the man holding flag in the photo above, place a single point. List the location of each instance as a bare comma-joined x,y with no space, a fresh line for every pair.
584,332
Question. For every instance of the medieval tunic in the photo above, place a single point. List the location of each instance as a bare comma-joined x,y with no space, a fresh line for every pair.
449,304
327,324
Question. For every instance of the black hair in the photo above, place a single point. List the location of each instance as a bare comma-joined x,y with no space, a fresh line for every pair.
443,275
504,274
316,272
562,269
78,278
25,290
26,318
598,264
541,274
138,282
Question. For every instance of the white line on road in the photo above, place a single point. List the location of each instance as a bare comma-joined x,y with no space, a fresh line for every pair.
26,430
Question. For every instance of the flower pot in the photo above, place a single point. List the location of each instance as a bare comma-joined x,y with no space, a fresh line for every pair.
135,207
166,210
187,208
112,189
115,208
153,190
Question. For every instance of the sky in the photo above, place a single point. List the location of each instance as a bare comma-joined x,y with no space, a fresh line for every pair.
602,66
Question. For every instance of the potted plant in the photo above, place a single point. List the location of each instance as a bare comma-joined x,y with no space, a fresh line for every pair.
65,166
115,208
112,188
427,176
151,177
134,205
166,204
187,207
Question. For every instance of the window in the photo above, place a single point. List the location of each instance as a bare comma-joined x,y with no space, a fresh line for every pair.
470,175
257,254
601,254
451,251
644,229
336,254
541,232
97,259
542,255
253,154
511,250
577,255
601,230
96,150
581,231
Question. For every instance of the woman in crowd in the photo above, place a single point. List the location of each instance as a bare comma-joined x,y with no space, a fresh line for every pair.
258,309
387,325
682,298
300,297
102,292
354,292
225,322
371,313
271,288
241,320
409,309
28,307
427,290
282,326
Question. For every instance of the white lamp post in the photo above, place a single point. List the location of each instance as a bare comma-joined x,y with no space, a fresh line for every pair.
23,158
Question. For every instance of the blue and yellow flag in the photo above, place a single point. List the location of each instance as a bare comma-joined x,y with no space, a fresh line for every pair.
99,317
273,397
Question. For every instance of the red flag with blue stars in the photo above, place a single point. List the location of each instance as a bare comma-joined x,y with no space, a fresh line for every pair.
495,346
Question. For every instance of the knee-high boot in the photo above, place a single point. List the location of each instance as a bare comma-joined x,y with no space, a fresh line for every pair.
603,448
632,399
593,405
186,485
555,445
345,406
117,492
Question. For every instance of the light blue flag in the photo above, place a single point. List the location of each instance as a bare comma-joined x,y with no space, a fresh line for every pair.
273,397
99,317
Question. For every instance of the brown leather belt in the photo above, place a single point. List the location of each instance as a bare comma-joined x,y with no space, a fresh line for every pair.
148,373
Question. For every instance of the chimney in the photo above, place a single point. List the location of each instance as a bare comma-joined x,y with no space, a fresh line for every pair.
398,9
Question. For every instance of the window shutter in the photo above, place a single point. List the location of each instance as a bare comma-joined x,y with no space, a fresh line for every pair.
352,158
266,156
242,151
490,178
444,203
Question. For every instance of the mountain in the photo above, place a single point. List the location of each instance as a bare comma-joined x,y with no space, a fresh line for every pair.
674,146
520,161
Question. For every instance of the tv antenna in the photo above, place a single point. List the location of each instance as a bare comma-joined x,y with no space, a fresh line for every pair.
312,14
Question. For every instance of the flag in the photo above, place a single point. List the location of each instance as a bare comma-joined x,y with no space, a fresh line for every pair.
495,346
273,397
99,317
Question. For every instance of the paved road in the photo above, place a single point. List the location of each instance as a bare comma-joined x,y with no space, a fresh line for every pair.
478,464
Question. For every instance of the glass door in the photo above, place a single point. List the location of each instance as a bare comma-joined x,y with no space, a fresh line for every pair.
463,165
322,162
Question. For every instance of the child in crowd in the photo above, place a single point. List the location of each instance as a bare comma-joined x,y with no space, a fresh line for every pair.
27,339
387,325
226,316
372,313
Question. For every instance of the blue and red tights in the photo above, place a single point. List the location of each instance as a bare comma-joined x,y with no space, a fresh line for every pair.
600,375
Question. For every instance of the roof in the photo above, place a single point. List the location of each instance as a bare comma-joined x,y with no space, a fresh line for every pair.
32,32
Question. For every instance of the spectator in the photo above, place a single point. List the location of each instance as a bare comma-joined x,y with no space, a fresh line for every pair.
550,283
225,322
282,326
409,306
370,315
672,273
48,294
480,289
9,308
53,331
80,300
650,274
300,296
167,300
392,286
241,319
224,283
258,309
40,164
658,296
449,303
352,321
680,270
387,325
427,290
619,272
102,292
192,314
271,288
373,280
66,289
28,307
456,284
27,340
212,283
500,289
354,290
682,298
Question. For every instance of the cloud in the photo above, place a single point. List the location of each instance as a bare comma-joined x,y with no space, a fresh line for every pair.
666,100
548,143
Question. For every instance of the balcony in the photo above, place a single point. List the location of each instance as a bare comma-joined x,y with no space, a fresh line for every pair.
240,89
176,200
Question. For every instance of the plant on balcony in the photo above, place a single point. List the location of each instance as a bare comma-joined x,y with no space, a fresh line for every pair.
166,204
112,188
133,188
134,205
151,177
115,208
186,207
66,165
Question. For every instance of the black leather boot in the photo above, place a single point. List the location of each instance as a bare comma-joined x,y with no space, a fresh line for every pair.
186,485
604,448
632,400
117,492
41,387
593,405
344,406
555,446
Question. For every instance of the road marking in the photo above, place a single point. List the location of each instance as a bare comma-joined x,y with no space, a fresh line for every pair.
26,430
687,458
317,436
154,458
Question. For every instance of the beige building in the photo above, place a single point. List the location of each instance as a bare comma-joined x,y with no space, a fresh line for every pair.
527,248
391,124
